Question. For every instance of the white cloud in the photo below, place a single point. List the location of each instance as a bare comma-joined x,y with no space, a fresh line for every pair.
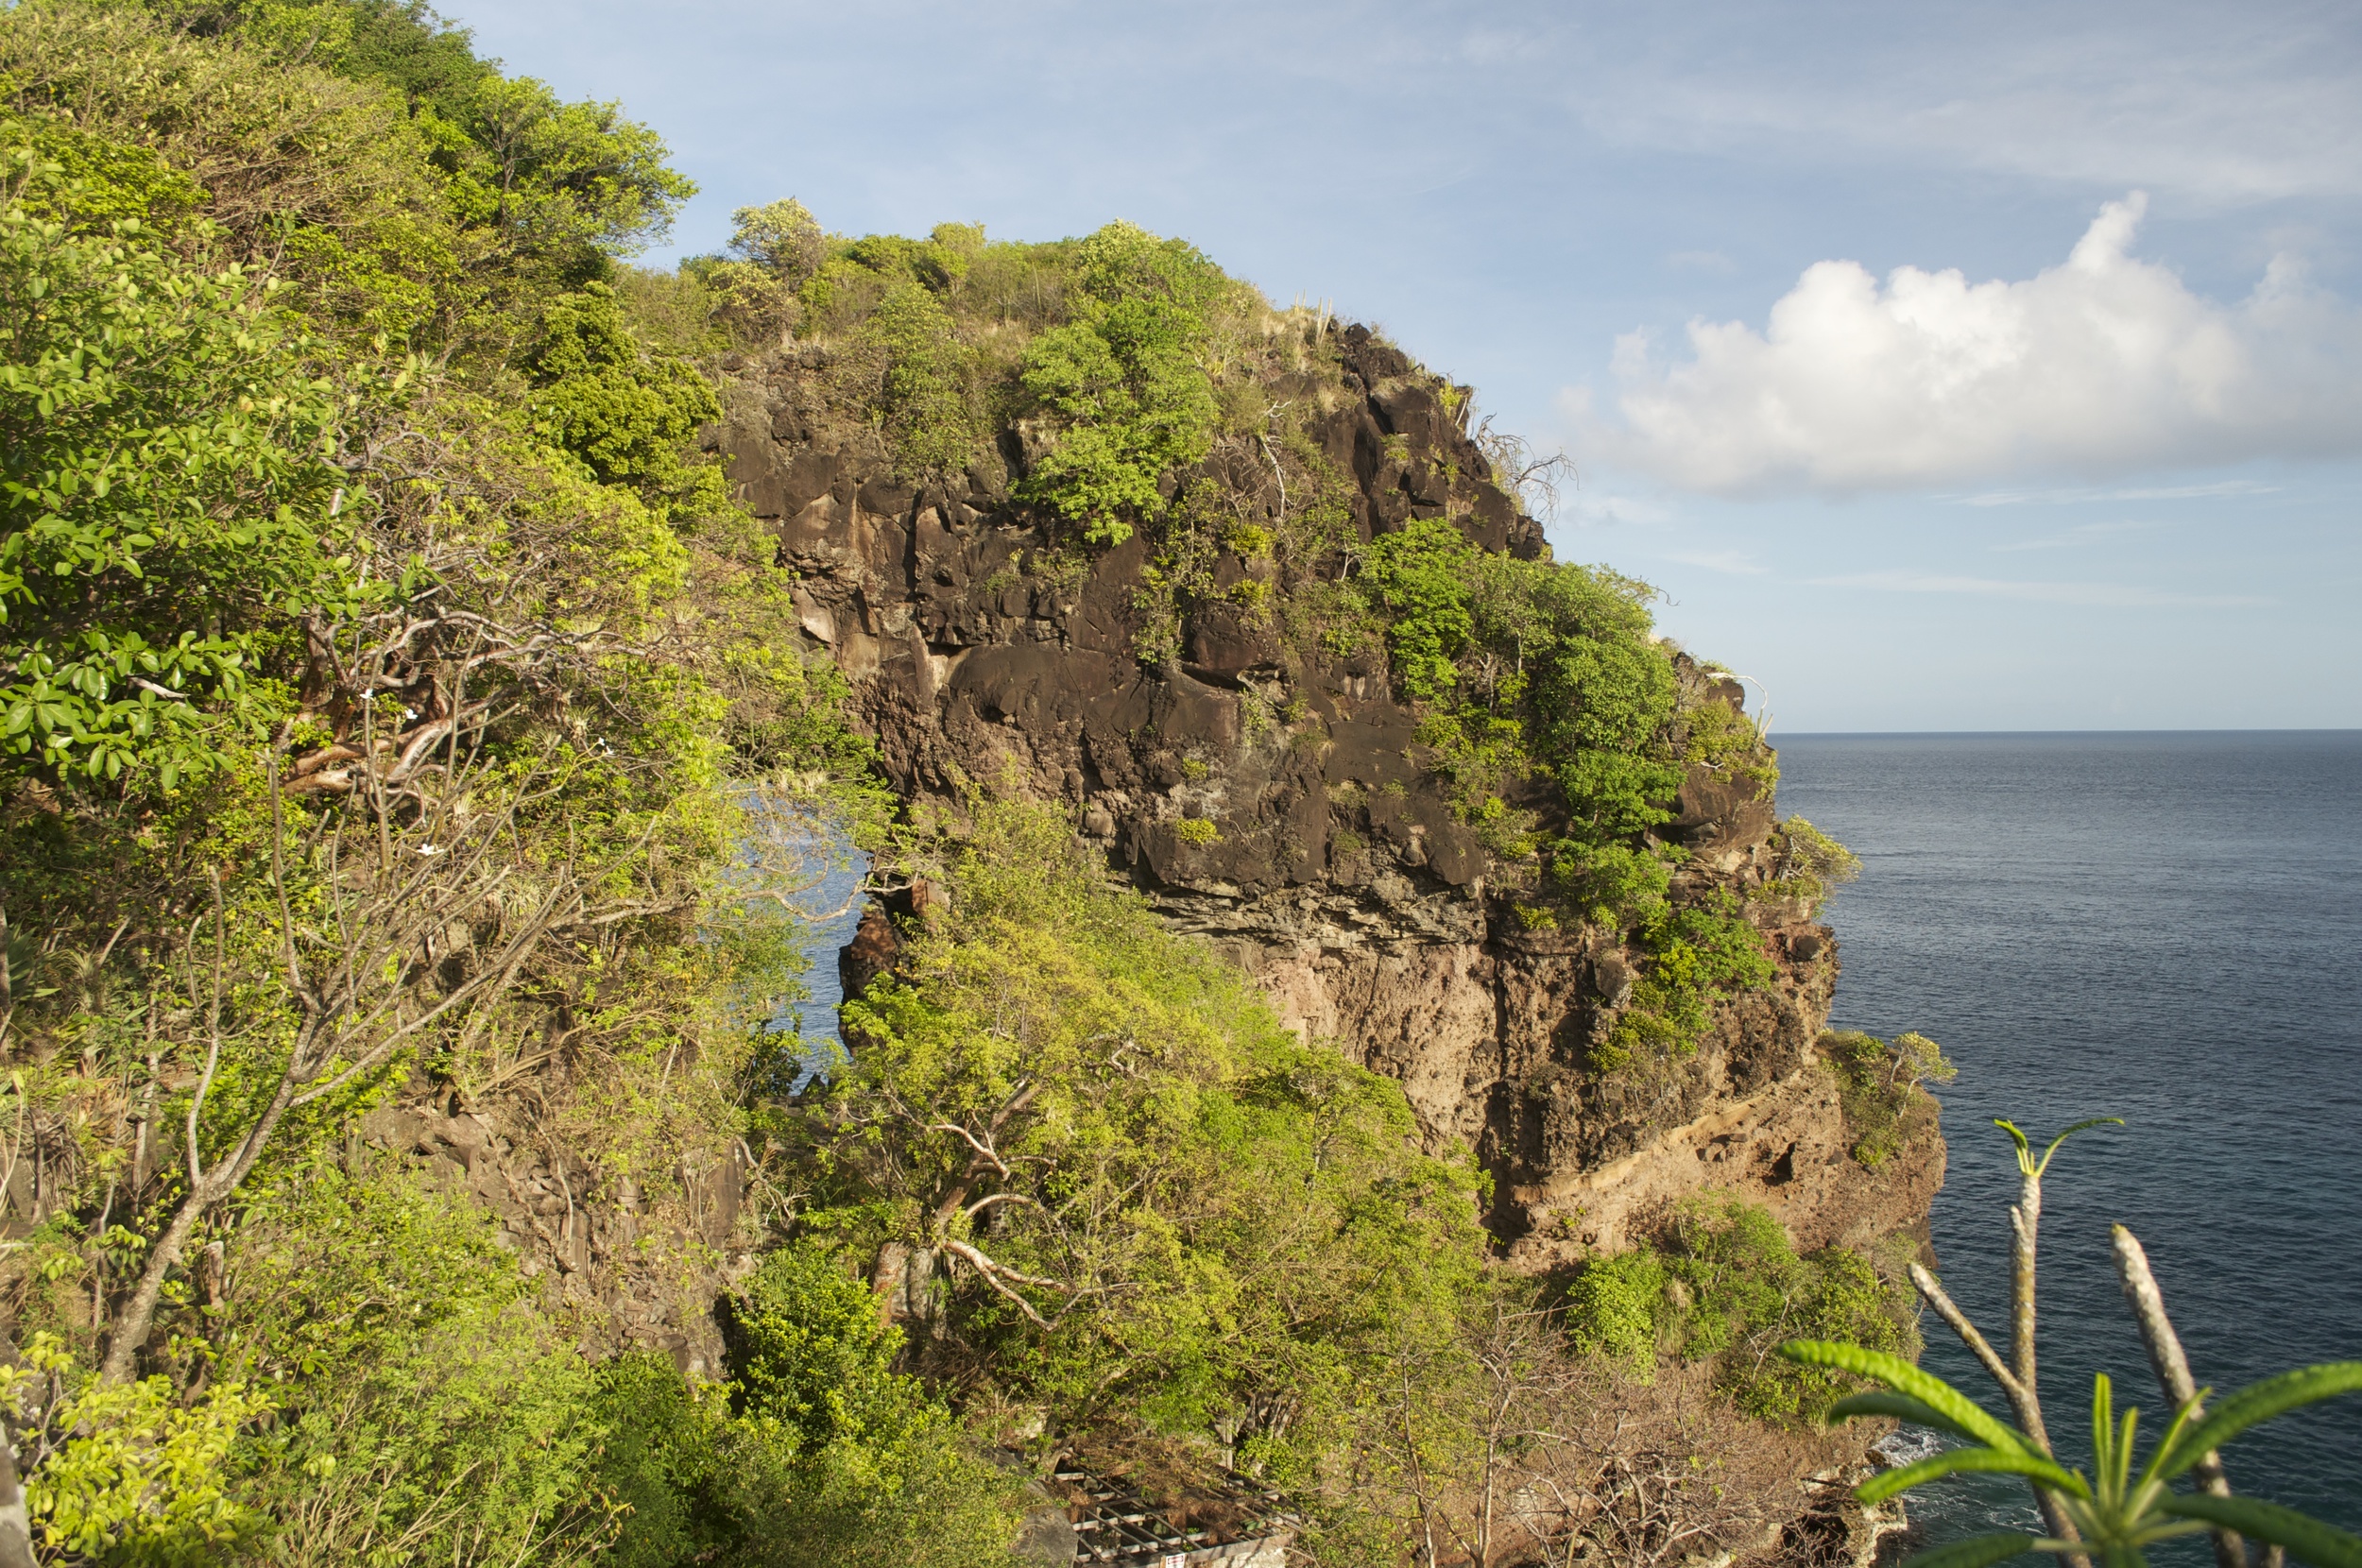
2217,491
2220,104
2108,595
1731,563
2083,534
2105,364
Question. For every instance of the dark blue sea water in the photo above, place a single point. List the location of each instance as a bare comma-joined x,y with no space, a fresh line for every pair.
834,910
2162,927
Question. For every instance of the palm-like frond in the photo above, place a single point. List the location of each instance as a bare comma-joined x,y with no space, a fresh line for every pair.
2258,1402
1952,1461
2322,1545
1961,1413
2119,1514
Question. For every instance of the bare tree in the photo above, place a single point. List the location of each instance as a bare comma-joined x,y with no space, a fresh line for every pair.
1499,1445
2017,1375
2173,1376
1520,1379
1532,476
385,950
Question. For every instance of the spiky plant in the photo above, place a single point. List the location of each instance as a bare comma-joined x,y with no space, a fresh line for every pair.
2115,1514
2112,1515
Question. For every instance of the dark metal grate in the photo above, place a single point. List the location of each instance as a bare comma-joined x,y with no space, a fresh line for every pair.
1116,1527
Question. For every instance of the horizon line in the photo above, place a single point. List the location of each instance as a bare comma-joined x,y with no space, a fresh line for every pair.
1972,734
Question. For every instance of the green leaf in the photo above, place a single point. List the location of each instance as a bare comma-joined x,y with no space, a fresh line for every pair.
2255,1404
1904,1378
1878,1402
1983,1460
1977,1551
2322,1545
2026,1160
2083,1126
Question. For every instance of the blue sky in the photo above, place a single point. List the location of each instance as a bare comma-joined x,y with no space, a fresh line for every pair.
2109,475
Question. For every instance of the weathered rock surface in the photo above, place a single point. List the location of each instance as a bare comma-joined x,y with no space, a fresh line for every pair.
1274,796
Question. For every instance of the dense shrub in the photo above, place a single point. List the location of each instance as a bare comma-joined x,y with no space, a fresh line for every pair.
165,492
385,679
1725,1285
1080,1118
1812,863
1694,951
1126,379
1531,668
877,1472
1878,1084
1538,667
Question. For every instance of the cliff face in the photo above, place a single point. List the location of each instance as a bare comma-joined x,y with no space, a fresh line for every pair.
1274,795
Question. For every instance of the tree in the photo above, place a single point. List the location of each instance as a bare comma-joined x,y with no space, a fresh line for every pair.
1125,381
1057,1136
384,685
780,237
166,498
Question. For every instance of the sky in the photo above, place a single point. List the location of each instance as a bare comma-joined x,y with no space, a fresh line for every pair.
1948,366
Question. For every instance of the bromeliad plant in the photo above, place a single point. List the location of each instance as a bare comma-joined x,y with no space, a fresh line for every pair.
2118,1513
2113,1514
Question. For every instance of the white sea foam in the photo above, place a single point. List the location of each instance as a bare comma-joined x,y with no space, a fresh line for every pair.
1906,1445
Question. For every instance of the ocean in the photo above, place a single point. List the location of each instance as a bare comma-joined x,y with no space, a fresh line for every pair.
2166,927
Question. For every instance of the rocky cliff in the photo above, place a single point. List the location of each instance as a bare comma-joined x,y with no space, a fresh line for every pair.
1272,791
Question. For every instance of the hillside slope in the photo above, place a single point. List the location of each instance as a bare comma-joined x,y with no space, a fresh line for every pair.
1334,970
1225,730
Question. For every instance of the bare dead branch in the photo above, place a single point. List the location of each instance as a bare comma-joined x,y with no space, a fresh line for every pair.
993,1274
2173,1376
1950,1313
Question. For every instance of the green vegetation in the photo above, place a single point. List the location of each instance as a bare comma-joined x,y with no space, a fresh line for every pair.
168,463
1724,1285
1529,669
408,752
137,1472
1125,375
1693,952
1067,1125
1876,1080
625,413
1719,736
1535,668
2113,1514
1811,864
821,1436
384,685
1108,348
